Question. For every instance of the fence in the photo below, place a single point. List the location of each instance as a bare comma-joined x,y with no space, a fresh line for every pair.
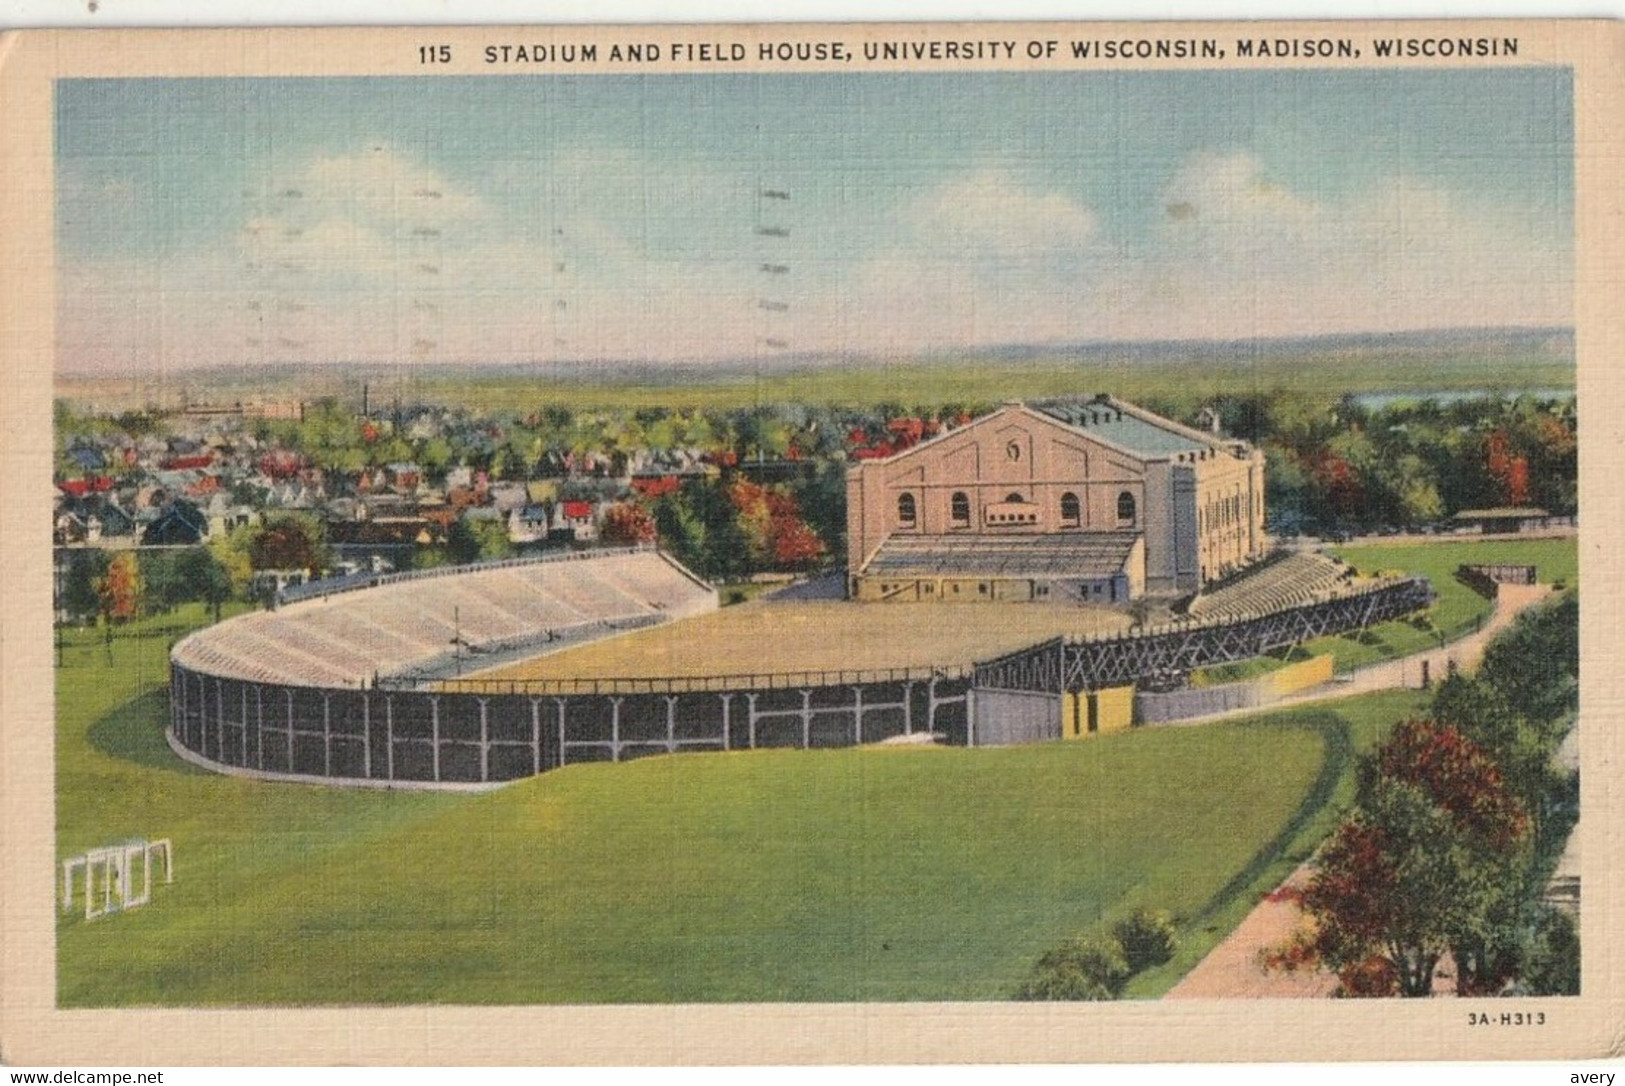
1164,654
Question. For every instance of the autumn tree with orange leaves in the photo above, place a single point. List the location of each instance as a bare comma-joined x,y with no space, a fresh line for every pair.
119,592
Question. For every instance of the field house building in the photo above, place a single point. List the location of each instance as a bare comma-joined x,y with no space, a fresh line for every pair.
1095,501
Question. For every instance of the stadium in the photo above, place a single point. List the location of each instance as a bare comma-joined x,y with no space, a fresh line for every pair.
469,677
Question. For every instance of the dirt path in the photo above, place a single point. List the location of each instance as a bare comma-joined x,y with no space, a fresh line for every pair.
1231,970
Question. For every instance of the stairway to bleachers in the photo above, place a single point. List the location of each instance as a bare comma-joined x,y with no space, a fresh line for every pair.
407,625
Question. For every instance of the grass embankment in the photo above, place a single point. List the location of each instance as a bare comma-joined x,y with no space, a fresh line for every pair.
775,875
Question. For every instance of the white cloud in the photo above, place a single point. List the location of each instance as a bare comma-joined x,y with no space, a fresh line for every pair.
1238,254
362,264
991,214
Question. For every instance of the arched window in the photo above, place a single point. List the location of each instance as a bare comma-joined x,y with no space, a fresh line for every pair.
1125,508
907,514
1071,511
1013,499
959,508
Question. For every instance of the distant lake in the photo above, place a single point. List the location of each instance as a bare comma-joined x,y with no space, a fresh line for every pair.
1376,401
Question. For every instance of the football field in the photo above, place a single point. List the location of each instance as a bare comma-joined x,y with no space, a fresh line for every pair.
768,637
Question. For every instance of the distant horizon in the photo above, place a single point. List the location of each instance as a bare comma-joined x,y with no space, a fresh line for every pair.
745,365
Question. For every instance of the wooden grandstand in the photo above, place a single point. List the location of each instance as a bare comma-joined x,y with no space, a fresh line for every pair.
415,625
1292,581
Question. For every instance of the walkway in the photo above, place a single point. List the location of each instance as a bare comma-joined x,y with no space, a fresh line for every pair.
1232,969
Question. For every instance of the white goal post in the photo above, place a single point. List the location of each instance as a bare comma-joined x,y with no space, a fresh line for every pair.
116,877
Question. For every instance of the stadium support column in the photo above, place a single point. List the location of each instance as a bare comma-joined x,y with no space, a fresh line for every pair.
560,702
389,735
535,735
219,721
727,711
671,724
908,703
857,714
485,739
970,717
615,729
806,719
434,732
366,733
327,735
750,717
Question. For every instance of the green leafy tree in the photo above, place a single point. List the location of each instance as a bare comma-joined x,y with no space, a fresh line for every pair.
80,596
231,556
477,541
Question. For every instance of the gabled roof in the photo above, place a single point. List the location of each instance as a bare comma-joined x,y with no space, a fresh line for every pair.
1128,427
1111,422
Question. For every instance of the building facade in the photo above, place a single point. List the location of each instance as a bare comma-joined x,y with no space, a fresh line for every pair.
1094,501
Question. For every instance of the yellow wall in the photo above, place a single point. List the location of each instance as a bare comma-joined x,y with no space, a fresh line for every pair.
1301,676
1112,709
1115,708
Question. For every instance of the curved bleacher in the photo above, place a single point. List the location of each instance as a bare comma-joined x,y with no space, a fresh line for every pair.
1292,581
331,685
409,625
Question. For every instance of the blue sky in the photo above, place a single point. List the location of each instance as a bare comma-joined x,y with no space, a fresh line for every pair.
213,221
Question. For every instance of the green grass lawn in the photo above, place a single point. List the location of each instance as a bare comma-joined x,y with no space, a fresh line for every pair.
761,876
1458,608
1455,613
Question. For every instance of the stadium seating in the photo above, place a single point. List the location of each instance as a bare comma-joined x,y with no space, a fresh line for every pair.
1293,581
412,624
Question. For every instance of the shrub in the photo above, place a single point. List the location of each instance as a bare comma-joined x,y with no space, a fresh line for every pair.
1079,969
1148,937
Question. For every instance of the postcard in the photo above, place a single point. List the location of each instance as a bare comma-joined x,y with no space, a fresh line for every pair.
811,543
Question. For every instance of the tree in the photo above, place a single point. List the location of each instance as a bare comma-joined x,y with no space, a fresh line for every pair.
1455,774
1430,863
475,541
120,591
1390,884
81,596
289,541
1535,665
184,576
1522,750
231,558
627,522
